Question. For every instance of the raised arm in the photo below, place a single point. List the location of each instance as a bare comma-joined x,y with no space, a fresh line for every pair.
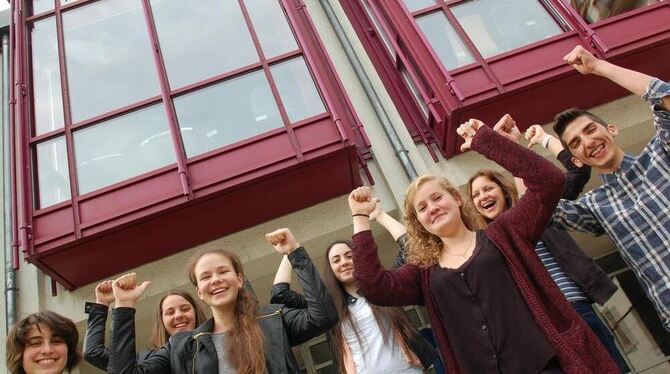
373,281
122,354
320,313
544,182
396,229
95,352
281,292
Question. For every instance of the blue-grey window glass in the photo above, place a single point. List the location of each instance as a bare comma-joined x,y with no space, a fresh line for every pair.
226,113
41,6
448,46
499,26
122,148
297,90
201,39
271,27
414,5
47,94
109,59
52,172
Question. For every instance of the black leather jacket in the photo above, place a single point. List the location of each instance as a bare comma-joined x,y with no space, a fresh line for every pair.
194,352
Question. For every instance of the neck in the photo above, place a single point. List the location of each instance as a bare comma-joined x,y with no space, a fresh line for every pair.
614,164
351,289
224,319
458,239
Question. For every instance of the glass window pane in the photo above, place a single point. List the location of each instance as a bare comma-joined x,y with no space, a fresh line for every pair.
448,46
331,369
109,58
122,148
226,113
496,27
47,95
320,352
201,39
297,90
52,172
41,6
414,5
271,27
596,10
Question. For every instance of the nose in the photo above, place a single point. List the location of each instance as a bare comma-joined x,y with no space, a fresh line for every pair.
46,347
590,143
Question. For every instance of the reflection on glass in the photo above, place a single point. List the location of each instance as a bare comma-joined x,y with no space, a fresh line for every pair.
596,10
122,148
201,39
414,5
109,59
297,90
52,172
320,352
226,113
445,42
41,6
271,27
500,26
330,369
47,95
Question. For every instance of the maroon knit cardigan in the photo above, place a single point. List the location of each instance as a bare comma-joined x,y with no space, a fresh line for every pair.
515,233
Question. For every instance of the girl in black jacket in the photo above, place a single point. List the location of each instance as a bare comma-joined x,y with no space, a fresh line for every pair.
240,336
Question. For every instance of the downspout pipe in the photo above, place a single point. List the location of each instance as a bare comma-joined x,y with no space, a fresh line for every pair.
398,147
10,274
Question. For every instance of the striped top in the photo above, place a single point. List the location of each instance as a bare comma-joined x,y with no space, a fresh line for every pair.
567,286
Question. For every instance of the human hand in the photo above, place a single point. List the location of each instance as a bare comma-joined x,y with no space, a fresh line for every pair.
377,211
467,131
282,240
104,294
126,291
361,201
535,134
506,126
582,60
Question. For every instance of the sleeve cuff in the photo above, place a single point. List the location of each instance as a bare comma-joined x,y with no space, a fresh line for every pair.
95,308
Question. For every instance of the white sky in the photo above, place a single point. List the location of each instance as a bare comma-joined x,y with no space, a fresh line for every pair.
4,4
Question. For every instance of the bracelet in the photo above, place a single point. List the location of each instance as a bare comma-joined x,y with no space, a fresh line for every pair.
361,215
545,140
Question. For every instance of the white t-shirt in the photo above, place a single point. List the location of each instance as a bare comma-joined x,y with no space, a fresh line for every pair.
374,356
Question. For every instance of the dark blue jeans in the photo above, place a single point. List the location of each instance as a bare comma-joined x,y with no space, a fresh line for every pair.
589,316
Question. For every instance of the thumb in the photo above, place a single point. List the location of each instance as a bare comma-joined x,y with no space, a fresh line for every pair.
143,287
464,147
532,142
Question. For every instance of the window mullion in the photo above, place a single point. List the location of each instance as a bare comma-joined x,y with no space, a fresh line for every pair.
579,25
67,123
273,86
168,105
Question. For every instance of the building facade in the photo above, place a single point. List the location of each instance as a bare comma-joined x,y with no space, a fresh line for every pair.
140,131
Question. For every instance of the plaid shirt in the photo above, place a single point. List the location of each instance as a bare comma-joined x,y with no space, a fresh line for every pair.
633,208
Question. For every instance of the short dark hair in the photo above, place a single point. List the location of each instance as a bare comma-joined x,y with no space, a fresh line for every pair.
60,326
566,117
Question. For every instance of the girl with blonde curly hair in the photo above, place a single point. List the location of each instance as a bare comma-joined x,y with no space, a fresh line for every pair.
492,305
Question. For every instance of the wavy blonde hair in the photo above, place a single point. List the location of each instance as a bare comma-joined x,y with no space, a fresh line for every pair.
423,248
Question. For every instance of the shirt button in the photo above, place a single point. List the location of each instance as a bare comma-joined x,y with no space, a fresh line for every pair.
495,356
462,274
483,327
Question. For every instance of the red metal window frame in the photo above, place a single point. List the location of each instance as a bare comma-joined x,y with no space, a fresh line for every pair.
488,87
339,114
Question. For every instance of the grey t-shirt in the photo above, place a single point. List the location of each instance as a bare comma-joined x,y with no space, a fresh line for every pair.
222,353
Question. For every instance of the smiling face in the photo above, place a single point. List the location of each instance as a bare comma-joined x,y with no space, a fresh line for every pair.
341,263
437,210
217,281
44,353
592,144
178,314
488,197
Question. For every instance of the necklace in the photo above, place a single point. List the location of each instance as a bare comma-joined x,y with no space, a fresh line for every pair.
467,249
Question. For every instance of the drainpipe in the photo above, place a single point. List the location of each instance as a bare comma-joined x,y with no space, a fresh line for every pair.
398,148
10,275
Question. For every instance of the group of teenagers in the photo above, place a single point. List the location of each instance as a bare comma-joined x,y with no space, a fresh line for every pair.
506,289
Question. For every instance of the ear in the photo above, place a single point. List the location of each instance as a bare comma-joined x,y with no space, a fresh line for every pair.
197,291
613,129
577,163
459,200
240,280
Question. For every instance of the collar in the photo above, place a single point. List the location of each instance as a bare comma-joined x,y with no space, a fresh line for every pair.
626,164
351,299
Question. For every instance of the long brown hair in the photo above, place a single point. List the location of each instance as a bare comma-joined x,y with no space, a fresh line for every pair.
60,326
423,248
506,185
392,321
159,335
245,346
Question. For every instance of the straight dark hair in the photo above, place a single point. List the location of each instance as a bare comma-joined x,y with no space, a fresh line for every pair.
566,117
392,321
60,326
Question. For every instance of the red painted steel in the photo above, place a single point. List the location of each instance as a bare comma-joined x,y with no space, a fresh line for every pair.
532,83
146,218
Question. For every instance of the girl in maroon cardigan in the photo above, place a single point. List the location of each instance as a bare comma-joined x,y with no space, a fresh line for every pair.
493,306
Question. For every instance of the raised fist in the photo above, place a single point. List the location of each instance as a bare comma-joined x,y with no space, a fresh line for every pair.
282,240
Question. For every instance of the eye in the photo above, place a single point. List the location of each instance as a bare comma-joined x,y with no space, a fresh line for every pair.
437,198
205,277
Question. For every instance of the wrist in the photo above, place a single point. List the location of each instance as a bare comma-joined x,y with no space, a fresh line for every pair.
126,303
102,302
360,215
545,140
600,67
